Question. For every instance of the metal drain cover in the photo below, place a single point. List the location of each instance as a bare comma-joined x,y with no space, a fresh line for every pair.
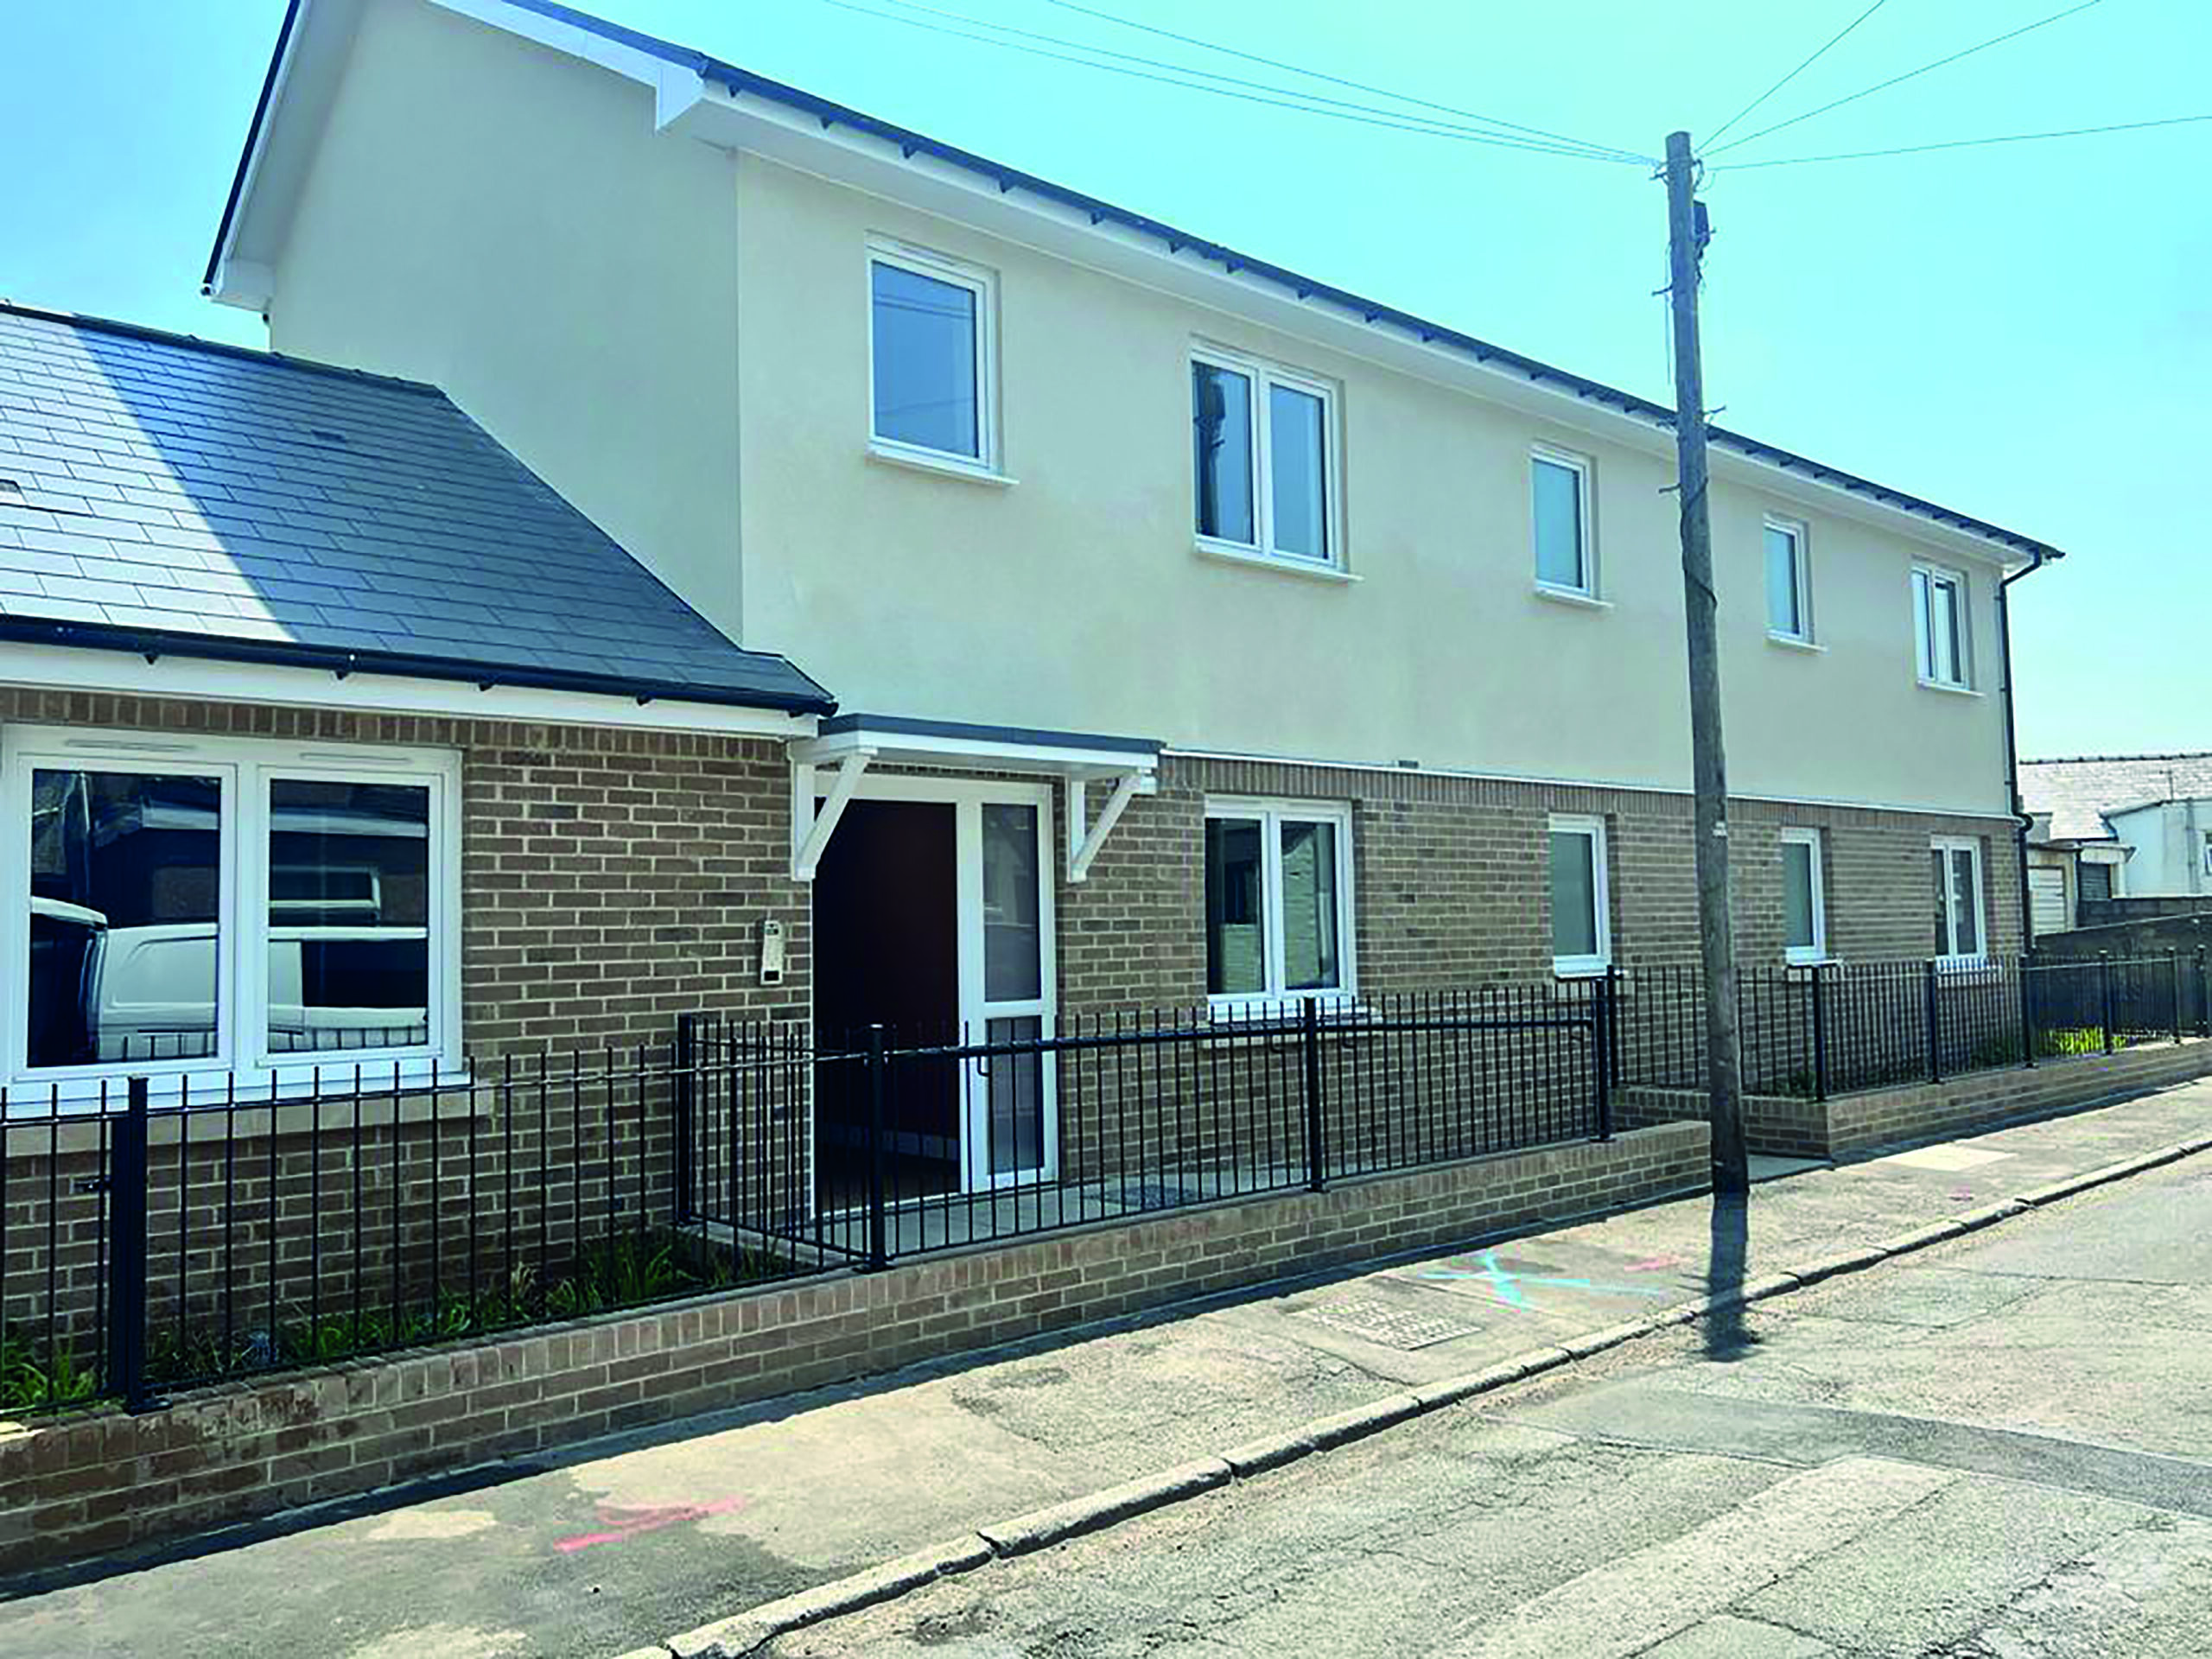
1378,1319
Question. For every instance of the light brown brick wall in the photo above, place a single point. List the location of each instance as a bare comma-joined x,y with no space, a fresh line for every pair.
109,1481
609,878
1450,879
1847,1124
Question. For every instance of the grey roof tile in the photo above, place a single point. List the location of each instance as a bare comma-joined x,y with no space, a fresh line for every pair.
173,485
2077,793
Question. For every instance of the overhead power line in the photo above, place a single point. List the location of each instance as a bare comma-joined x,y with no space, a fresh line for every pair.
1210,81
1341,80
1910,74
1831,41
1960,143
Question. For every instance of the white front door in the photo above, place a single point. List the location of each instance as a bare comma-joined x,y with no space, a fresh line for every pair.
1006,953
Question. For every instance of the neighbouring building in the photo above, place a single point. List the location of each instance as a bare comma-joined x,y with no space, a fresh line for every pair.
2106,826
1202,635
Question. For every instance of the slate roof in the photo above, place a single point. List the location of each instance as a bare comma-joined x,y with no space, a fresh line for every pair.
2080,792
158,492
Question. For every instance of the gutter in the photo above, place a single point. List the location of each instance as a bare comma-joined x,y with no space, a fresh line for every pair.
153,644
2038,557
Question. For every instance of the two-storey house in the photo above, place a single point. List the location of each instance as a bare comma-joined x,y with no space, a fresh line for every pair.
1201,634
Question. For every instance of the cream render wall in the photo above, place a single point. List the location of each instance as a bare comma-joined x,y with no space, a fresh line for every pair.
495,217
1075,598
606,300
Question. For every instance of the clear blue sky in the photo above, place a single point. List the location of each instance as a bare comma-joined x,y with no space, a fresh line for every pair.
2023,332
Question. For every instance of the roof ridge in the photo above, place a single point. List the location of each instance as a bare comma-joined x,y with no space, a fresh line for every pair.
257,354
2086,760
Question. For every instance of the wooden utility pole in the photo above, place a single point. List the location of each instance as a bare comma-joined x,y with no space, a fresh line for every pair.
1685,239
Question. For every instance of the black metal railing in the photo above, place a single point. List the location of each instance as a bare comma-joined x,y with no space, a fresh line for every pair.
1836,1027
174,1231
926,1141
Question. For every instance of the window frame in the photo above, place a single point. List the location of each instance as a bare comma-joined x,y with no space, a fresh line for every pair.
983,284
1952,956
247,767
1925,577
1583,823
1808,837
1801,565
1273,812
1584,470
1260,375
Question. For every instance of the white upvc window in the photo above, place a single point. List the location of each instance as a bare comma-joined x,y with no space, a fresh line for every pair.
932,357
1789,583
1941,636
1957,870
1265,475
1804,897
186,904
1278,900
1582,932
1560,520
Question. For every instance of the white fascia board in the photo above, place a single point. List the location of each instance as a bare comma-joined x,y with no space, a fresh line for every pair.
64,668
306,79
930,749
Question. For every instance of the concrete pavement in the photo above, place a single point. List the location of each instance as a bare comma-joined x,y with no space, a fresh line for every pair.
628,1542
1999,1449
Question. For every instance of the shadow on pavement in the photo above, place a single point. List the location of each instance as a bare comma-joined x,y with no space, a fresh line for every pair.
1726,1337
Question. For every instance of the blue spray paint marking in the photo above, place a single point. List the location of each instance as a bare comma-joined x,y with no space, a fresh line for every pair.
1505,1285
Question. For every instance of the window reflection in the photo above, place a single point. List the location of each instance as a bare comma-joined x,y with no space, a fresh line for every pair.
924,351
1236,919
349,915
1221,422
125,896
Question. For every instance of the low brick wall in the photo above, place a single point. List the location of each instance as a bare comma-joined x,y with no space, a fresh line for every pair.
1960,1105
109,1481
1845,1124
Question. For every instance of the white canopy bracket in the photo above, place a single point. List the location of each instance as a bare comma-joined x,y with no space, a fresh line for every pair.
1084,843
812,826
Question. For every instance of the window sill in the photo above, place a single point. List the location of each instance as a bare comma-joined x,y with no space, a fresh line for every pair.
32,1103
1791,642
921,460
1581,968
1281,563
1262,1013
1573,597
1948,690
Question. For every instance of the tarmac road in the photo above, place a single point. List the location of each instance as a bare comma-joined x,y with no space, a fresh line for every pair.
1998,1449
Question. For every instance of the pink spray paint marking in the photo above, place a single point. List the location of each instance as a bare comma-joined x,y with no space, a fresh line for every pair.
1655,1264
630,1520
1962,1192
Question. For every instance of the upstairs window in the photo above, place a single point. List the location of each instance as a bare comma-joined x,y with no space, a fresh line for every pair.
1939,618
1560,505
1804,919
1278,900
1789,591
227,904
1581,937
1263,460
1958,900
929,356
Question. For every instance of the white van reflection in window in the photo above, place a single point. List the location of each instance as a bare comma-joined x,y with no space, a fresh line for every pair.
126,952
